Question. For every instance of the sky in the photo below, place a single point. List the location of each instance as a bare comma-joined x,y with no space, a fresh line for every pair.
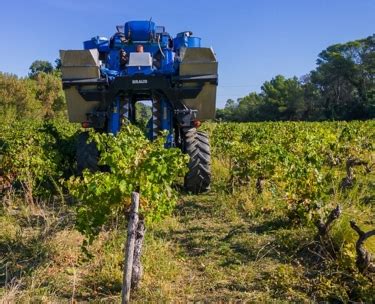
254,40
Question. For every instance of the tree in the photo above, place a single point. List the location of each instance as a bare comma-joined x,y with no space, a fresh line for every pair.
312,100
341,87
57,64
285,98
38,96
17,97
50,93
249,108
40,66
345,77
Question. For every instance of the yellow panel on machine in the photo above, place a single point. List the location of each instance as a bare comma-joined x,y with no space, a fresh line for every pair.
195,62
75,65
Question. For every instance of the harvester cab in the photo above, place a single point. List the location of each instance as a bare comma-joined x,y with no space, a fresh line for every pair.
141,61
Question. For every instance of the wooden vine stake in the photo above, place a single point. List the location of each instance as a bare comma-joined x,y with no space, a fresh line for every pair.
129,248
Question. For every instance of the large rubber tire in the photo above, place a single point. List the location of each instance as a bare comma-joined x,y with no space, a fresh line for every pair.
87,154
197,146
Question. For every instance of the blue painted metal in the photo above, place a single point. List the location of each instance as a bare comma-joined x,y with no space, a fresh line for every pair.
167,66
140,30
167,121
100,43
185,39
111,74
113,60
139,70
164,41
163,49
193,42
153,39
114,117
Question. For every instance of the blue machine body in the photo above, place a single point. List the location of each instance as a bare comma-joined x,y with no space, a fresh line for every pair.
100,43
167,121
155,41
142,49
139,30
114,123
185,39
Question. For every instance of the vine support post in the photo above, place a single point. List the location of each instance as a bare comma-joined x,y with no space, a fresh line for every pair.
137,272
129,248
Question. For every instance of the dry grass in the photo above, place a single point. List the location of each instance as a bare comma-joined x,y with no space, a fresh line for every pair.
218,247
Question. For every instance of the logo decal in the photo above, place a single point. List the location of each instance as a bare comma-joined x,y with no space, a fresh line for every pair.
139,81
